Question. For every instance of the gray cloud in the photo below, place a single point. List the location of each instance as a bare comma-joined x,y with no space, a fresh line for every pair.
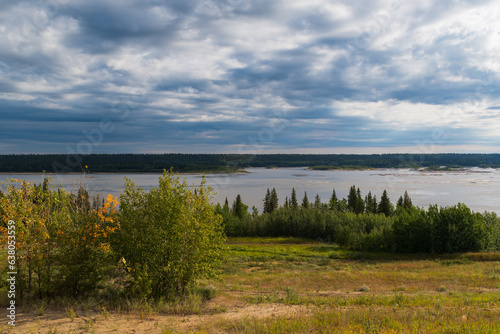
210,76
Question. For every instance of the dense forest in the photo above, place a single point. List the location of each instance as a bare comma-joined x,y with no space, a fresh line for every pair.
363,223
61,163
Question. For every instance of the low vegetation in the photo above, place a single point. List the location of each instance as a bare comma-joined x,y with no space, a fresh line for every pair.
296,285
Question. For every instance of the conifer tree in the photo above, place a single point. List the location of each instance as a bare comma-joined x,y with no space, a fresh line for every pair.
360,204
374,204
352,199
400,202
305,201
267,202
385,205
293,200
407,204
226,208
317,202
273,200
369,207
333,203
239,209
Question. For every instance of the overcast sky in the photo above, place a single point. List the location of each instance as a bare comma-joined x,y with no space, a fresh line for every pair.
249,76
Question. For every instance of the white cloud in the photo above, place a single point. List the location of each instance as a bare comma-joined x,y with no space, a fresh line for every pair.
397,67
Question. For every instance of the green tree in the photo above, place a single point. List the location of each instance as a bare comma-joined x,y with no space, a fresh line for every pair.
355,202
371,203
305,201
352,199
239,209
492,231
267,202
293,199
273,200
385,205
63,242
342,204
360,204
169,237
317,202
255,211
412,231
333,203
407,204
400,203
457,229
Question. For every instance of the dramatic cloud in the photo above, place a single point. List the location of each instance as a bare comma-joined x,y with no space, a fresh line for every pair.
247,76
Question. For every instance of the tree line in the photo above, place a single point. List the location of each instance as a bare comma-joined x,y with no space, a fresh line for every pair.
123,163
366,224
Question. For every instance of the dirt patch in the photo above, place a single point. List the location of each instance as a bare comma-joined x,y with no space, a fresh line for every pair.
60,322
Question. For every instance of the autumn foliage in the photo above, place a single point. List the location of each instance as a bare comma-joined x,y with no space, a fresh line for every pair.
74,244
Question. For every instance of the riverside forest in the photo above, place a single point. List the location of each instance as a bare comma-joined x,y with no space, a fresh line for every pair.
126,163
361,264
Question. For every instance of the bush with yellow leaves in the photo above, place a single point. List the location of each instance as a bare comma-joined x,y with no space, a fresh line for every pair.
62,240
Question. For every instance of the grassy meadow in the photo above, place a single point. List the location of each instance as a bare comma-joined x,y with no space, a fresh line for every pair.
291,285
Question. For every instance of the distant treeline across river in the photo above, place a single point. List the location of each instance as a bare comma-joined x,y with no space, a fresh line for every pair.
150,163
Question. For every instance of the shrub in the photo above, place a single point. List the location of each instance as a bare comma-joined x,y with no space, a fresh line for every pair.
169,236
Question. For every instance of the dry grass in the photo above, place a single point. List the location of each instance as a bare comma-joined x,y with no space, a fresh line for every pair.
294,286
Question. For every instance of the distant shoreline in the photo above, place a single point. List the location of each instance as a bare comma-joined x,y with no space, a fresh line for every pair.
125,172
248,171
234,163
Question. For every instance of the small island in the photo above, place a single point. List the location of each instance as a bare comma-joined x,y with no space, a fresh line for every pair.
343,167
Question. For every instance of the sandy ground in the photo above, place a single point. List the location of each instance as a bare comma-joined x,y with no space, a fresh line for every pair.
91,322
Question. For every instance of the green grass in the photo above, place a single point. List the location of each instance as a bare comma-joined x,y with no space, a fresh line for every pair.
355,292
321,288
372,320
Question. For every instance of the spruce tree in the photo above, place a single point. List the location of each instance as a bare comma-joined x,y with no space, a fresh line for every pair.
267,202
400,203
369,203
236,204
360,204
317,202
374,204
407,204
293,200
226,208
305,201
239,209
333,204
352,199
273,200
385,205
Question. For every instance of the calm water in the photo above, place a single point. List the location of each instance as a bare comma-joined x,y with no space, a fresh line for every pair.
478,188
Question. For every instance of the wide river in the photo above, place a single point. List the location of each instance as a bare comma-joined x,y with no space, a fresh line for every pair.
477,188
